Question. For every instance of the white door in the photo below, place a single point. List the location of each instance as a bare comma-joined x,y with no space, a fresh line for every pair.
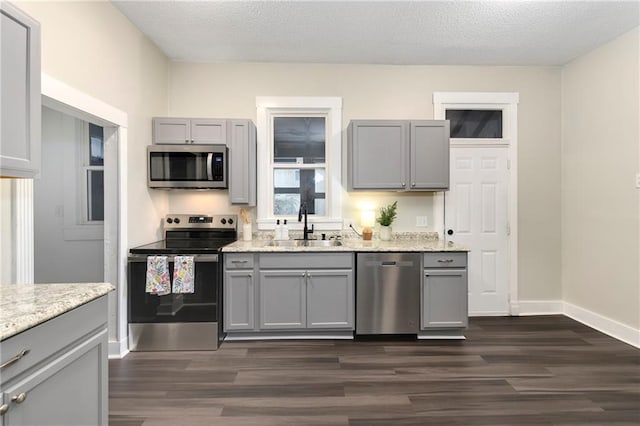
476,208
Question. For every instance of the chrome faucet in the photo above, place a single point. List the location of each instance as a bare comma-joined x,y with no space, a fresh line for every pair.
305,230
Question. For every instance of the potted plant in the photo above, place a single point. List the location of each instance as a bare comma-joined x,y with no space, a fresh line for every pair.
386,218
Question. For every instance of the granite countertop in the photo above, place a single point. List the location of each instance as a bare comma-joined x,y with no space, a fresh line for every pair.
23,306
350,245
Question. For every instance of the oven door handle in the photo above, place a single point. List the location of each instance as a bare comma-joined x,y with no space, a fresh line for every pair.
196,257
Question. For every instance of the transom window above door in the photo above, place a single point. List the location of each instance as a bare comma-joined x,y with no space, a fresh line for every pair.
299,160
475,123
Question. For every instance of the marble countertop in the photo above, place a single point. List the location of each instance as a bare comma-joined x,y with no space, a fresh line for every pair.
23,306
350,245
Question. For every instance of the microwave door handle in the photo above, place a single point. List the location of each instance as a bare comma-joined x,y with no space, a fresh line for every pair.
210,166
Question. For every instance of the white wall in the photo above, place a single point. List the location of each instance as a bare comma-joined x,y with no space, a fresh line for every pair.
6,233
600,204
59,256
93,48
403,92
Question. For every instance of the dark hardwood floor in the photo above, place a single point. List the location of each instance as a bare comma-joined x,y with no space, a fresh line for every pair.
546,370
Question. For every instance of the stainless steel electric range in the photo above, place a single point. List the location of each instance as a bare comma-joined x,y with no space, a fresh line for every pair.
183,321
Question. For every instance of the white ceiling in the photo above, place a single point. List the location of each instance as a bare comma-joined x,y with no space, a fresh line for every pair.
382,32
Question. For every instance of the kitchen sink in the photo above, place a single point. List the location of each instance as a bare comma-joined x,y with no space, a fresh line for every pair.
303,243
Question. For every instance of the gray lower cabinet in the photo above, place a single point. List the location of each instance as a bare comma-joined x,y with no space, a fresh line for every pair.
315,298
399,155
239,291
288,298
62,376
330,299
239,300
444,291
20,103
283,296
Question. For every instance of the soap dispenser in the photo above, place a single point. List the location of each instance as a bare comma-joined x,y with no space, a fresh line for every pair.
285,230
278,233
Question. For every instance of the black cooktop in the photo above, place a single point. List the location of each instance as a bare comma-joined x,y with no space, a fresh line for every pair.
181,247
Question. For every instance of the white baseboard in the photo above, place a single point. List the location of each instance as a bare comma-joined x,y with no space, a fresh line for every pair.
118,349
603,324
540,307
596,321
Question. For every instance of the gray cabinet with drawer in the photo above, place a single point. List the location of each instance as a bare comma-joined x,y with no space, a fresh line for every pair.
444,291
317,296
56,372
239,292
288,292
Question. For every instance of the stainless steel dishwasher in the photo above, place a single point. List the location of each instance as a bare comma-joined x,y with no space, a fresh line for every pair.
387,293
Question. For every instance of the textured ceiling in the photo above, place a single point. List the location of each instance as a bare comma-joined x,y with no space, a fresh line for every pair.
376,32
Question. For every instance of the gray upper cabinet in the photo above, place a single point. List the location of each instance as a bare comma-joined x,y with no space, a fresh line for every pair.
189,130
242,162
399,155
429,155
378,154
20,88
238,135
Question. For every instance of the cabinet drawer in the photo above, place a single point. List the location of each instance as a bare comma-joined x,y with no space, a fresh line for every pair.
51,336
238,261
307,260
445,260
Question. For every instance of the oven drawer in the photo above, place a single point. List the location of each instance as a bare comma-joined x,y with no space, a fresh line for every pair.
238,261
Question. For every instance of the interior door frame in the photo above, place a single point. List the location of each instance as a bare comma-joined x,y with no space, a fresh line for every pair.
61,97
508,102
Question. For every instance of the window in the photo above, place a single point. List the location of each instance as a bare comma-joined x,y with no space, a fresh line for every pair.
475,123
93,174
299,160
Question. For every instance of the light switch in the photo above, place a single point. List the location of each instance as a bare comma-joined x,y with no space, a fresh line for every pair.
422,221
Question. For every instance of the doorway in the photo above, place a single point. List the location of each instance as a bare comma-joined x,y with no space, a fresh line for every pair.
480,208
69,201
58,96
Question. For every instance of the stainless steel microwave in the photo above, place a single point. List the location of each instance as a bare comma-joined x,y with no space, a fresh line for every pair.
187,166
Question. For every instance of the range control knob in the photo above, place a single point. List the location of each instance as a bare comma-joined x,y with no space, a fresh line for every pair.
176,220
169,220
223,221
230,221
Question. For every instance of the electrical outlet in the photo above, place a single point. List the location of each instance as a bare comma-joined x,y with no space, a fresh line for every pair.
422,221
638,180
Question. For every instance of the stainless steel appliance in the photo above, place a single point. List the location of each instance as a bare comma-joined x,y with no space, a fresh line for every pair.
185,321
387,293
187,166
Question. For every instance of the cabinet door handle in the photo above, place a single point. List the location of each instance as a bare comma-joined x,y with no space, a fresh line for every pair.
19,399
15,358
3,409
445,260
404,184
239,261
413,184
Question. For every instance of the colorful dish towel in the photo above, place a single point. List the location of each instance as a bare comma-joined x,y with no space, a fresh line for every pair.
183,273
158,275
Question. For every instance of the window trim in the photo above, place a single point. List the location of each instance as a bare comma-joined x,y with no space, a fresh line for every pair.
270,106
